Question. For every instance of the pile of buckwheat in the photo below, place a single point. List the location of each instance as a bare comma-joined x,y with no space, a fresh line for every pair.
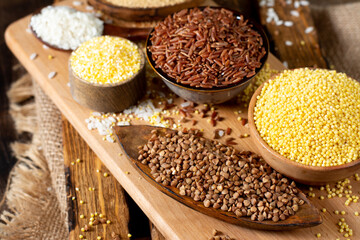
219,176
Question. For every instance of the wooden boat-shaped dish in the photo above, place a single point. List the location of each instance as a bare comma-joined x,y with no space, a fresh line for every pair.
130,137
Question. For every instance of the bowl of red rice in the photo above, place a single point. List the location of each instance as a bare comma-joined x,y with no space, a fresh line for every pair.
207,55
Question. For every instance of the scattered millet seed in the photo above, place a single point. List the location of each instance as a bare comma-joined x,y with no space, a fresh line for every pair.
106,174
91,219
91,223
336,212
101,215
98,238
356,213
76,189
310,189
73,198
50,57
323,210
129,235
72,163
97,170
78,160
82,216
343,212
96,213
82,229
342,219
93,189
81,202
321,198
81,236
318,235
92,215
127,172
90,188
108,221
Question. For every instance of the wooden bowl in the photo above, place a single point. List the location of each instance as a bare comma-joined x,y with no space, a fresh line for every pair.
213,95
113,97
140,14
302,173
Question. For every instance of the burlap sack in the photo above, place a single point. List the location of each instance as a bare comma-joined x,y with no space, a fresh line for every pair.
339,33
50,130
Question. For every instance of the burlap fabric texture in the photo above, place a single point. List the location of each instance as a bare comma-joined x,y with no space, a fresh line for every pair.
35,209
339,34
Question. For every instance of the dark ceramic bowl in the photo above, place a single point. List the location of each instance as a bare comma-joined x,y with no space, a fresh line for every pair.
214,95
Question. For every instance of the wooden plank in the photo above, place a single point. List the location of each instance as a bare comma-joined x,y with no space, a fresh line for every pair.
174,220
108,197
155,233
304,50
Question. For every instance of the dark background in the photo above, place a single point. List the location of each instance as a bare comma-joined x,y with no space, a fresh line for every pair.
10,10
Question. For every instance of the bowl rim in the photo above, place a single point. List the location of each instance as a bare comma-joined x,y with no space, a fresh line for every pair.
285,160
142,67
108,4
255,25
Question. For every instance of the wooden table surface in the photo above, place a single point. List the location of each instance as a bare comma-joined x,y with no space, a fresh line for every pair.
174,220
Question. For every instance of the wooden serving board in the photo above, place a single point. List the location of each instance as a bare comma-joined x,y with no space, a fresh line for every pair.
174,220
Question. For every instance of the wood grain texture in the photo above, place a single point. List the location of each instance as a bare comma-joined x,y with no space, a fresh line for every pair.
305,49
107,198
130,137
174,220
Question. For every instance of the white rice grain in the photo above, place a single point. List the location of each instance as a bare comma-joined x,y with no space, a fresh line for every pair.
288,43
33,56
309,29
294,13
296,4
51,75
288,23
304,3
65,27
76,3
89,8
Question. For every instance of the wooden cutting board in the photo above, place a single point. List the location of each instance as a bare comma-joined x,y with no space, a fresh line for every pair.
174,220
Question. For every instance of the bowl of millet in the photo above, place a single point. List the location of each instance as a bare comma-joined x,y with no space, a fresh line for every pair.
208,54
107,74
305,123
